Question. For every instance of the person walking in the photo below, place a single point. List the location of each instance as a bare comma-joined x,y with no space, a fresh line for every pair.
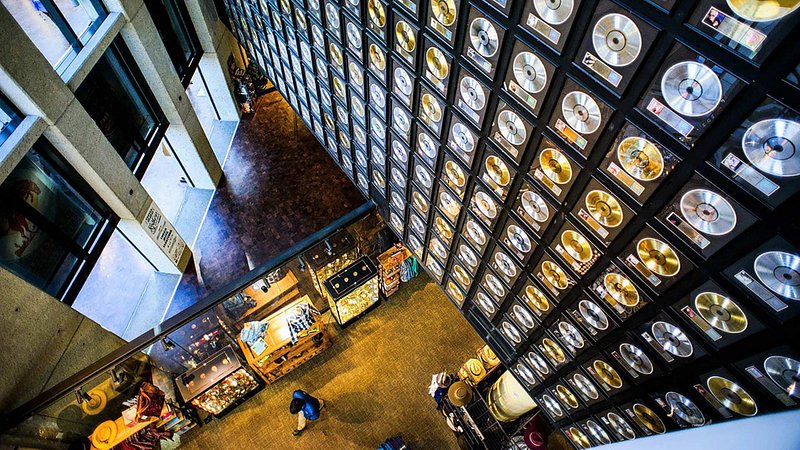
306,407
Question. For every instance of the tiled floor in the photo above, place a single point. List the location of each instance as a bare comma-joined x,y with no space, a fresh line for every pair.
374,380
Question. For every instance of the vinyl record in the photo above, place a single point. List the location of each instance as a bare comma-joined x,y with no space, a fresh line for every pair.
353,35
483,37
475,232
585,386
406,38
658,257
511,127
708,211
526,374
454,292
607,373
576,246
449,204
555,275
437,63
332,16
529,72
581,112
566,397
397,201
356,76
780,272
399,153
617,40
463,138
497,170
721,312
555,165
430,106
511,332
538,363
438,249
785,372
519,238
763,11
403,81
554,12
419,202
620,288
578,437
455,174
423,177
537,299
771,146
495,285
336,55
377,14
485,303
444,11
486,205
552,406
443,229
571,335
684,409
636,359
377,57
524,317
401,120
472,93
621,426
468,256
732,396
691,88
417,224
505,264
593,315
640,158
426,144
598,433
553,351
535,206
649,419
672,339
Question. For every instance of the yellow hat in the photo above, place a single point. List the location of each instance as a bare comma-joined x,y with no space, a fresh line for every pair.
104,435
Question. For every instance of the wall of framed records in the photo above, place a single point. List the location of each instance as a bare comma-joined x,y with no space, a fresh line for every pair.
606,189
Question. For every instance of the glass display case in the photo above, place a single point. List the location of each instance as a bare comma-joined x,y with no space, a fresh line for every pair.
218,383
329,257
353,290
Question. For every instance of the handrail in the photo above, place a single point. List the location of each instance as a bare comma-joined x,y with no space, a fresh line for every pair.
76,381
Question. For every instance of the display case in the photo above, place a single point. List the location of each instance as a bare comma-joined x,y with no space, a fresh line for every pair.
352,291
218,384
329,257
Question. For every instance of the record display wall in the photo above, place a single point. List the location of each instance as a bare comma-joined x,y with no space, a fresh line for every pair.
607,190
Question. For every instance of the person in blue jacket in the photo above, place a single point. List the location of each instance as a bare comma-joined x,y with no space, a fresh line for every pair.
306,407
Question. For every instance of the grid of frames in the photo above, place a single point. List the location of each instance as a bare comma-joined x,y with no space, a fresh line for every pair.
607,190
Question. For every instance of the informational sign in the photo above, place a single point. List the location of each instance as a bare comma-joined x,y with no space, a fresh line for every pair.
163,233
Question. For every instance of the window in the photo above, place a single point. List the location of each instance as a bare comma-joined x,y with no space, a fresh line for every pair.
177,32
52,226
9,118
120,102
58,28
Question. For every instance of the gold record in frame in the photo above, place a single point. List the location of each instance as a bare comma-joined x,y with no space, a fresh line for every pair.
437,63
377,57
566,397
721,312
405,36
607,373
536,298
431,107
604,208
555,165
640,158
763,10
579,438
732,396
658,257
497,170
443,228
621,289
576,245
455,174
649,419
376,13
444,11
553,350
555,275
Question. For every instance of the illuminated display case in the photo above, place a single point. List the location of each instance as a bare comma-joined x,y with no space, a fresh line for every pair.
329,257
353,290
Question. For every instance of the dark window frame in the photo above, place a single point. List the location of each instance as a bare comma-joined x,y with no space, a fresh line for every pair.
13,113
166,14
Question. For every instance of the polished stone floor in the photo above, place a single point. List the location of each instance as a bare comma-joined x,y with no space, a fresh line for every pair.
374,380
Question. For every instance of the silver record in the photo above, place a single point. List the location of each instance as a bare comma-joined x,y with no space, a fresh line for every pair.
636,359
771,145
505,264
526,374
529,72
476,233
535,206
592,314
519,238
401,119
486,205
463,138
672,339
581,112
353,35
511,127
621,426
377,127
552,405
597,432
468,256
571,334
584,385
427,145
495,286
472,93
423,177
397,201
708,211
617,40
399,152
417,224
313,5
780,272
554,12
684,409
483,37
537,362
785,372
524,316
486,303
398,177
332,16
377,96
356,77
403,81
691,88
448,203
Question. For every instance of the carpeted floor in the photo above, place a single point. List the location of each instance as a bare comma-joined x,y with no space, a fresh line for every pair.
374,380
